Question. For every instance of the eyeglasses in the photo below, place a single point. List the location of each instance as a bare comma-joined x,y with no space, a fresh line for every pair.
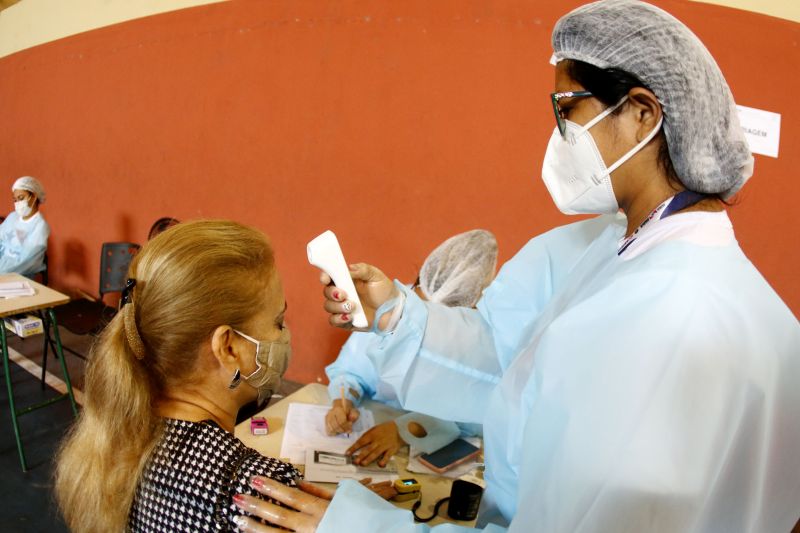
555,97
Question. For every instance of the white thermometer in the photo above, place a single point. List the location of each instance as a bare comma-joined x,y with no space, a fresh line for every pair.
325,253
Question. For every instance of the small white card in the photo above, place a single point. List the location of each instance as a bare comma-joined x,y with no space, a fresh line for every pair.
762,129
331,467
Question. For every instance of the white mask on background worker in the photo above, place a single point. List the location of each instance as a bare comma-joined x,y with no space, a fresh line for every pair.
24,207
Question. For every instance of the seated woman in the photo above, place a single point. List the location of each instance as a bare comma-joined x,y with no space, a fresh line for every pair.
24,232
454,274
200,333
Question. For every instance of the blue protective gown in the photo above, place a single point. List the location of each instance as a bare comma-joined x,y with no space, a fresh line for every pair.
654,394
354,373
23,244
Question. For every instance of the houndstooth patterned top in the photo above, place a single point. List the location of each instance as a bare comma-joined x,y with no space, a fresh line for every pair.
191,476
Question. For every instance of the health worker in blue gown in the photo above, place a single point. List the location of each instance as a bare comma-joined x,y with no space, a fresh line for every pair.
24,232
633,372
454,274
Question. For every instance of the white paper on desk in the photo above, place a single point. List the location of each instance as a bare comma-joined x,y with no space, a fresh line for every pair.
418,468
11,289
305,429
329,467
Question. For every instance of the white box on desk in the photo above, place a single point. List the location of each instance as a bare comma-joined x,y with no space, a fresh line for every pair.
24,326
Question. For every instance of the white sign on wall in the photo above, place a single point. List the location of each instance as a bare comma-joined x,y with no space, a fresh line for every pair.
762,129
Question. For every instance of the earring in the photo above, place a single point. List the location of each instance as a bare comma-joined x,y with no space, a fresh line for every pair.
237,378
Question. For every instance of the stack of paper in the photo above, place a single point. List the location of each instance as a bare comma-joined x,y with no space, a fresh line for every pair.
12,289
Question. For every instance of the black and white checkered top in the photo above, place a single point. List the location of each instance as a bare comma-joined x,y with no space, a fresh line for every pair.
193,474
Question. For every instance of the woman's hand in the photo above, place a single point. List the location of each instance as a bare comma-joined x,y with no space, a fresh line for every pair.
305,506
381,442
384,489
373,288
341,417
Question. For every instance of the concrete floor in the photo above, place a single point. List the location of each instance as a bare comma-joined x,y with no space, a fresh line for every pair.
27,498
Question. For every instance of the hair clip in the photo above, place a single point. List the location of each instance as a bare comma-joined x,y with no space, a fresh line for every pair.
127,291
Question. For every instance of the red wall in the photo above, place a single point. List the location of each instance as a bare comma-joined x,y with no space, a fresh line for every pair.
395,124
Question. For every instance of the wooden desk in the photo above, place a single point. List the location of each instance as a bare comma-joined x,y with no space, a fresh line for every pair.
433,487
44,298
43,301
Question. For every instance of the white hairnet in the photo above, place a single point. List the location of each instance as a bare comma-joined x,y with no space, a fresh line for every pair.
706,143
458,270
30,184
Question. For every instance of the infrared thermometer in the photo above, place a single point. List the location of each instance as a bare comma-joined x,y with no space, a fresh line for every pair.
325,253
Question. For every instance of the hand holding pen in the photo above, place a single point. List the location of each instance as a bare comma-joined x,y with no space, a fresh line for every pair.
342,415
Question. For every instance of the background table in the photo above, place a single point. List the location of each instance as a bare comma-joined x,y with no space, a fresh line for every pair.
433,487
44,299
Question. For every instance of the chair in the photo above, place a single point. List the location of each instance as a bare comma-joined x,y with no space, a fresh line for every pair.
43,279
89,315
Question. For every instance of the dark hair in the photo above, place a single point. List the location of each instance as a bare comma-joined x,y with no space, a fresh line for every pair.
161,225
610,85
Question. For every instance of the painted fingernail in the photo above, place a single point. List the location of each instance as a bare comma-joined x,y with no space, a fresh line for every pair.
239,500
241,522
347,306
257,482
346,318
335,295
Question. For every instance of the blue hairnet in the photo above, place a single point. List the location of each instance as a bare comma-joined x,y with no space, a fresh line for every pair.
706,143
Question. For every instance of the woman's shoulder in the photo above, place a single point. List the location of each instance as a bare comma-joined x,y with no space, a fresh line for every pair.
191,458
716,286
255,464
580,234
244,462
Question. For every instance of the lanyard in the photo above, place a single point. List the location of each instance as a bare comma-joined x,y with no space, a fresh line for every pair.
668,207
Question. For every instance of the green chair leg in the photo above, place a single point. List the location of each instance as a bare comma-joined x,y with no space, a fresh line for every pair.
11,398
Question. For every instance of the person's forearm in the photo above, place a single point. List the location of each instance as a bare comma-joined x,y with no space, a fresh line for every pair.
440,360
348,384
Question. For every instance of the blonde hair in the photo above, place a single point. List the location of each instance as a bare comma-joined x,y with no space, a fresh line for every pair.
189,280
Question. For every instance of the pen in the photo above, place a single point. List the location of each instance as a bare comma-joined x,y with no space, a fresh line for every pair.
344,405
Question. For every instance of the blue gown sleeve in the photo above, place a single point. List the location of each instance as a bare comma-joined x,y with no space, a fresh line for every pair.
353,370
356,509
6,234
444,361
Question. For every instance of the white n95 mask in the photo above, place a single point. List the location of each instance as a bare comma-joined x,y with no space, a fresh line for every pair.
574,171
22,208
272,359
